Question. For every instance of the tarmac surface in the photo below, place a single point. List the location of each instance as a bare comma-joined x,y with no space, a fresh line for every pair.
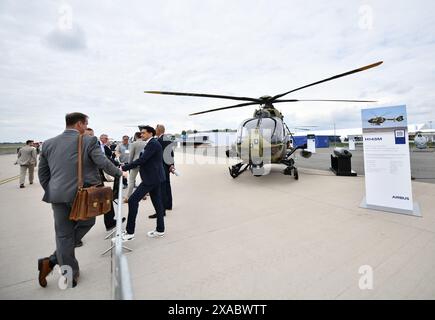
269,237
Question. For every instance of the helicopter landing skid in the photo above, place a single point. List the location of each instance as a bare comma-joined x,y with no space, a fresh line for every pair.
237,170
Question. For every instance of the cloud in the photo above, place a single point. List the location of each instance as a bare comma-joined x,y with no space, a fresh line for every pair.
72,39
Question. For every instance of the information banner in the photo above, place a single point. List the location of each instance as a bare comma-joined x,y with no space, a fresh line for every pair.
386,160
351,143
311,143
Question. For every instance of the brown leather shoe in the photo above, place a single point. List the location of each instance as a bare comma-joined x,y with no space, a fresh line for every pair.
44,268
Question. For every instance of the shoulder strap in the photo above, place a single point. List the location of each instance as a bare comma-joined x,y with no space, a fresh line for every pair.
80,162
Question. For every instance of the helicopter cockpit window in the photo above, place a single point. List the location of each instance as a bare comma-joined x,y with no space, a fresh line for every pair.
245,128
268,127
279,133
272,129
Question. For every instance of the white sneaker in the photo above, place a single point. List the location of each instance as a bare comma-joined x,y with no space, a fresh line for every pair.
155,234
126,236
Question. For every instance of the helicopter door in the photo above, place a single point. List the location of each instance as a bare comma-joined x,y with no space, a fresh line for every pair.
244,138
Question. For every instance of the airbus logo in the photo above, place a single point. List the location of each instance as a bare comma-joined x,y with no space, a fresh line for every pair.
401,198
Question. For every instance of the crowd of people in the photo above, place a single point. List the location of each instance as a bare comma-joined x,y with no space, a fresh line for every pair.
149,154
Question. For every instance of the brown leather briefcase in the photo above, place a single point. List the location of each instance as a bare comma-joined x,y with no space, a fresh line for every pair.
89,202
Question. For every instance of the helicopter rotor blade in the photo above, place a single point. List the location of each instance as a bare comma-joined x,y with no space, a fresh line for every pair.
302,129
204,95
328,79
306,127
223,108
321,100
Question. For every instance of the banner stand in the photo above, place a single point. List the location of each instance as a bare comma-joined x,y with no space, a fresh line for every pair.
415,212
311,143
387,167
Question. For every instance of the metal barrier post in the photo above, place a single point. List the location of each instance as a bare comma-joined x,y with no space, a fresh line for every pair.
121,283
118,228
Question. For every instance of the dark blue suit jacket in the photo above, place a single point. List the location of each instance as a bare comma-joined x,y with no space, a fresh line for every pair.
168,152
150,163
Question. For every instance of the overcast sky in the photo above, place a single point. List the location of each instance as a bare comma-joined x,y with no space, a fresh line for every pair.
97,57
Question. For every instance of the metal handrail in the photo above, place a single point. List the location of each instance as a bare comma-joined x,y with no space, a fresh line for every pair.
121,282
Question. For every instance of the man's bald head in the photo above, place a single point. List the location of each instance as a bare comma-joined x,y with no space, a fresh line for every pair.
160,129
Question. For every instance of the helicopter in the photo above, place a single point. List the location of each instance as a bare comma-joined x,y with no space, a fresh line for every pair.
377,121
265,138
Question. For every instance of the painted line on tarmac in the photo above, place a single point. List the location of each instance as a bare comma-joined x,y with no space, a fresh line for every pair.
9,179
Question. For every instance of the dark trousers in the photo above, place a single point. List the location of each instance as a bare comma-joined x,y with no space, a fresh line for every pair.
68,233
133,205
166,190
109,218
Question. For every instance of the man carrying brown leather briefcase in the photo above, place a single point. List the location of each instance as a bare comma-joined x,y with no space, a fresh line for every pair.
58,177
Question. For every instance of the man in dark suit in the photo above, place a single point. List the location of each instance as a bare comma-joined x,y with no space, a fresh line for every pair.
168,167
168,164
58,177
152,175
109,218
104,140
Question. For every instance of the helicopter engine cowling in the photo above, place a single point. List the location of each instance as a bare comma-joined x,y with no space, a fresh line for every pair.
262,113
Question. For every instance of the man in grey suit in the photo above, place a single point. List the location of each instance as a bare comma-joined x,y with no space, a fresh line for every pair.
27,161
58,175
135,150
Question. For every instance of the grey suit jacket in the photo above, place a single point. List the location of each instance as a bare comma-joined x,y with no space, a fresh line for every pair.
58,173
135,149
